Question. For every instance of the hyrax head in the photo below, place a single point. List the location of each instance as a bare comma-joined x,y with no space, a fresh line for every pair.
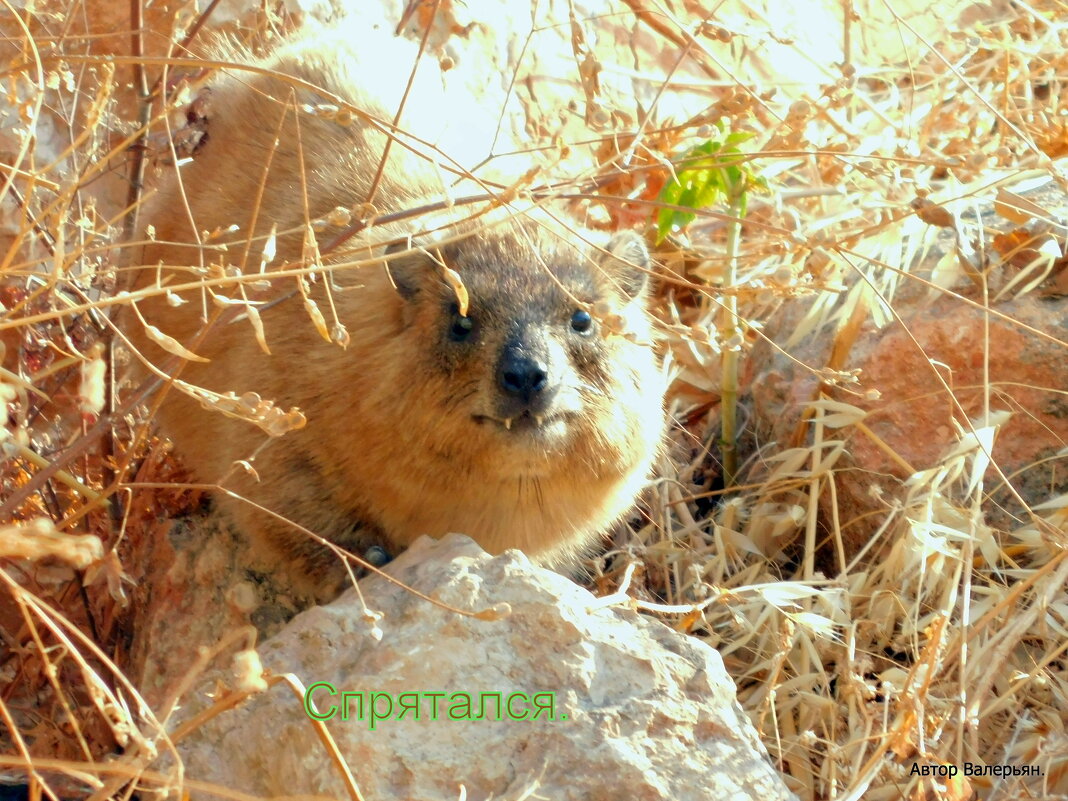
551,364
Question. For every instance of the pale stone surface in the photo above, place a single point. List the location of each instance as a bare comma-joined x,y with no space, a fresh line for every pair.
650,713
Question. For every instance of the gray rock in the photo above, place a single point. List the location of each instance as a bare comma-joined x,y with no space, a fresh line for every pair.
639,710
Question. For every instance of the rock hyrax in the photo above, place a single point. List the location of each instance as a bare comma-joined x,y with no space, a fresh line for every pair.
529,419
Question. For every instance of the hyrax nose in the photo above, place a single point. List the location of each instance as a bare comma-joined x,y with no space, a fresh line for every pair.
523,376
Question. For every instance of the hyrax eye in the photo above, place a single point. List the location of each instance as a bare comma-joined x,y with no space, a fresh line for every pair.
461,327
581,321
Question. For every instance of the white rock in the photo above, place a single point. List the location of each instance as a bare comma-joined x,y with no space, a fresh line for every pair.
641,711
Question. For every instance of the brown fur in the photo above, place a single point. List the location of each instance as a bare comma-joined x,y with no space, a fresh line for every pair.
405,431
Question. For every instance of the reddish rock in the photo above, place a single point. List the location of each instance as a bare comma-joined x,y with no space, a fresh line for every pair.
929,371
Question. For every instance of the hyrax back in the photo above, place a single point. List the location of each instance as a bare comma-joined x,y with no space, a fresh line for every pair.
529,419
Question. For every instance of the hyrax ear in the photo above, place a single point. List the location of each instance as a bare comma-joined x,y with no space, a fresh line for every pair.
626,263
409,272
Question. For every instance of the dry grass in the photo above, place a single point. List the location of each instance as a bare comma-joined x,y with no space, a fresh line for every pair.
943,642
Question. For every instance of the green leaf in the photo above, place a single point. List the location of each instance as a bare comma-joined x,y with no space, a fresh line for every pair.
709,173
